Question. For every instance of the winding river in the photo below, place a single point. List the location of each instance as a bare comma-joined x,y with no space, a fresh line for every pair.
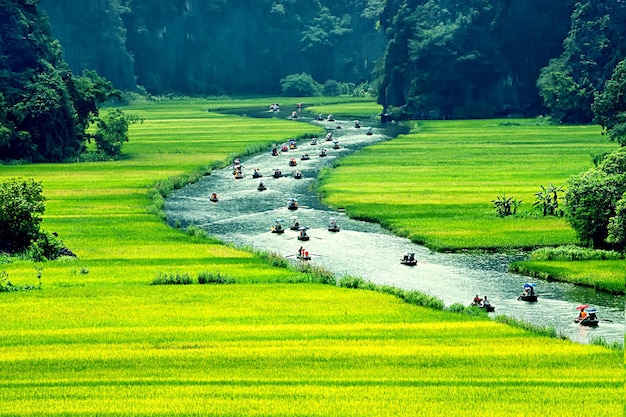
243,216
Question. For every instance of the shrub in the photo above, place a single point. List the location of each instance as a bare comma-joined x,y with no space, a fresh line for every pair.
300,85
351,282
214,278
506,206
574,253
21,205
164,278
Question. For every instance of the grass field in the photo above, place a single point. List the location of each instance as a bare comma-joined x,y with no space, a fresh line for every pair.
436,186
99,340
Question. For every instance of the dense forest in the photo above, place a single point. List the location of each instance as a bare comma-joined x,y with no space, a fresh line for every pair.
424,59
218,46
429,58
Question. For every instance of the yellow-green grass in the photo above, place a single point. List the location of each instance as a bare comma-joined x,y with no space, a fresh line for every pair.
607,275
436,185
100,209
357,107
97,339
284,350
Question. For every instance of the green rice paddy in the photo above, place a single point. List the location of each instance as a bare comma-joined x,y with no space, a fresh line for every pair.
98,340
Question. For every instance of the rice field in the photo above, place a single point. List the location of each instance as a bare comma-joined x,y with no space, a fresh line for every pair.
99,340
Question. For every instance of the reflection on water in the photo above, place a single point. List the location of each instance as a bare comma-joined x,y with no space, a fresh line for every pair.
245,215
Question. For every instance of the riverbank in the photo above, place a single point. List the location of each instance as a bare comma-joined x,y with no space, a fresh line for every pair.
436,186
98,339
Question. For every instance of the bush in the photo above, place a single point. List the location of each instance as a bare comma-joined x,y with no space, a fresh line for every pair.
164,278
573,253
21,204
300,85
214,278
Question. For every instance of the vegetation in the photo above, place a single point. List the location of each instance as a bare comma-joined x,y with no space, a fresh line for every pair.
257,348
46,110
436,184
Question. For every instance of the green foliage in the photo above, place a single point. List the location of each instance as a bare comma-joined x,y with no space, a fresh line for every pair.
21,205
548,199
506,206
206,277
609,107
300,85
592,200
573,253
171,278
540,330
7,286
617,225
112,132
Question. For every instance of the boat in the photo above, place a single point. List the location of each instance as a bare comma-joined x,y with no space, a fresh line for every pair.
284,148
238,175
484,304
302,234
214,198
529,293
277,173
329,137
295,224
313,141
274,152
323,152
590,319
370,131
305,157
293,162
257,173
303,254
292,204
261,187
330,118
292,144
333,226
278,227
408,259
357,124
336,144
297,175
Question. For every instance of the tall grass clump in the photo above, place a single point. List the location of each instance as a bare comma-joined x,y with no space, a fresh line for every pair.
548,331
172,278
574,253
205,277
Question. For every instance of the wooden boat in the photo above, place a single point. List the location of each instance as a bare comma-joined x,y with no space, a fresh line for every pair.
528,298
587,322
304,257
257,173
335,145
305,157
293,162
295,224
238,175
488,308
261,187
330,118
277,173
357,125
292,204
214,198
333,226
313,141
323,152
409,259
297,175
302,235
278,227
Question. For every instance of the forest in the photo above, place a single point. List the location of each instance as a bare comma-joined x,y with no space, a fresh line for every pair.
425,59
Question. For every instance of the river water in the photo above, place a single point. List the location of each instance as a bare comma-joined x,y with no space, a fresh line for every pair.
244,216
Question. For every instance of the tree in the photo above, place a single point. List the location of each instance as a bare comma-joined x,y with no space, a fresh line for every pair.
21,204
617,225
609,107
112,132
592,200
300,85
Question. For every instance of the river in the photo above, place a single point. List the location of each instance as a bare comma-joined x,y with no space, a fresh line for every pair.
243,216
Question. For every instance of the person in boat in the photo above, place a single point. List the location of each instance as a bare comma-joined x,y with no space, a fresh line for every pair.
293,162
477,300
357,124
297,175
582,316
330,118
295,225
336,144
329,136
213,197
486,302
261,187
274,151
319,117
294,115
313,141
370,131
300,251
